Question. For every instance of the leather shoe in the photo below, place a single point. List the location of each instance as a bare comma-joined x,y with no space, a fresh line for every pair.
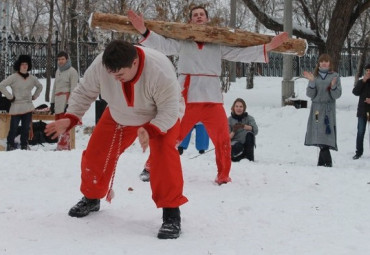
356,156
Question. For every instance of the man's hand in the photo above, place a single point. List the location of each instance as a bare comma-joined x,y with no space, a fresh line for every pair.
277,41
57,128
143,138
137,21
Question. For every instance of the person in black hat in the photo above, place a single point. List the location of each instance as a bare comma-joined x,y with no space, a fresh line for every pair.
22,84
362,90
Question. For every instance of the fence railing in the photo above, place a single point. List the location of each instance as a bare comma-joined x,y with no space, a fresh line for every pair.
88,50
347,65
38,50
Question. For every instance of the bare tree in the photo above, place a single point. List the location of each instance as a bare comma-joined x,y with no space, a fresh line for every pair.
73,43
49,49
26,18
343,16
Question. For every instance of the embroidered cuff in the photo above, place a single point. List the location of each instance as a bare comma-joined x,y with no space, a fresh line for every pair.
265,54
146,33
74,120
311,84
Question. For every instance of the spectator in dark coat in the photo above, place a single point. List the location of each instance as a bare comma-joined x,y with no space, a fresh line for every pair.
362,90
243,129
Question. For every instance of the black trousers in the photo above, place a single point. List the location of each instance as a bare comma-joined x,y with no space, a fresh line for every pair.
246,150
25,128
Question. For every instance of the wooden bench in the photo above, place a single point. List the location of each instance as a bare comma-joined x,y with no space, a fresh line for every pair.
5,124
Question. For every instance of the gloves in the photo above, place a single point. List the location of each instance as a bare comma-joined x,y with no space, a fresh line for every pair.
52,108
238,126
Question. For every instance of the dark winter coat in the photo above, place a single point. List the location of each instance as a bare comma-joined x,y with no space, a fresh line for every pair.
362,90
241,133
321,127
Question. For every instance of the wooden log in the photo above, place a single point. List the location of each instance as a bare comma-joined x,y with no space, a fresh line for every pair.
195,32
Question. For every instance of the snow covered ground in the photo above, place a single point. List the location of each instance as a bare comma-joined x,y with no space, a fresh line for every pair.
280,204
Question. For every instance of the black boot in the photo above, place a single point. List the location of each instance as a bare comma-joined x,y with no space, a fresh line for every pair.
171,226
357,156
249,146
180,149
237,152
84,207
326,157
321,161
10,147
145,175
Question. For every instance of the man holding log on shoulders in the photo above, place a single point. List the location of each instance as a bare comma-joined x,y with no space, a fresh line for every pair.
199,68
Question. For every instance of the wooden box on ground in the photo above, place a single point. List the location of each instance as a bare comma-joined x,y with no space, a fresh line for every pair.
5,124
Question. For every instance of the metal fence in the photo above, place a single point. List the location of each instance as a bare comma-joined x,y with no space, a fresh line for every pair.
347,65
89,50
38,50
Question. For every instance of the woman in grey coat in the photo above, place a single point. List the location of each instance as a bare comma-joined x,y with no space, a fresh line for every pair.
323,88
243,129
21,96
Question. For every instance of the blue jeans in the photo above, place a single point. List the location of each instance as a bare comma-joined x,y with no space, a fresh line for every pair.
361,128
25,128
201,138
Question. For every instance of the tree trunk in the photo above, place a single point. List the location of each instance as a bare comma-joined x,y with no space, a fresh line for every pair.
63,33
194,32
250,75
361,61
73,43
339,29
49,64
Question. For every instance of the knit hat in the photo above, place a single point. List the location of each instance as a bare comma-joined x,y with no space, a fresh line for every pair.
23,59
367,66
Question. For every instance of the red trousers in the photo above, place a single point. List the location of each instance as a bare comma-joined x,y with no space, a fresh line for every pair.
109,140
214,119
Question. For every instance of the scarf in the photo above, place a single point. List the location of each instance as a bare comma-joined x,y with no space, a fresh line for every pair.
66,66
240,117
323,72
24,75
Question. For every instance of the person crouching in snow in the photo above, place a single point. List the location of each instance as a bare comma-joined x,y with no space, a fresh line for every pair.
243,129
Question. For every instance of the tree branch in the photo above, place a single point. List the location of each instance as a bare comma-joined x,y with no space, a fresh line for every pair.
272,24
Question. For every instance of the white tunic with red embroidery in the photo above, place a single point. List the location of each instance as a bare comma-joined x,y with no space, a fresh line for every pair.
199,64
152,96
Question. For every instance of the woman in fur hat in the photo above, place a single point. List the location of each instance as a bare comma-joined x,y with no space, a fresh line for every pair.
21,84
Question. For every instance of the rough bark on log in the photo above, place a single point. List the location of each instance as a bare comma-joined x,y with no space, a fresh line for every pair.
194,32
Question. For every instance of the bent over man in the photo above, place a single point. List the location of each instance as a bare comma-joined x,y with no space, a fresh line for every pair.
143,97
